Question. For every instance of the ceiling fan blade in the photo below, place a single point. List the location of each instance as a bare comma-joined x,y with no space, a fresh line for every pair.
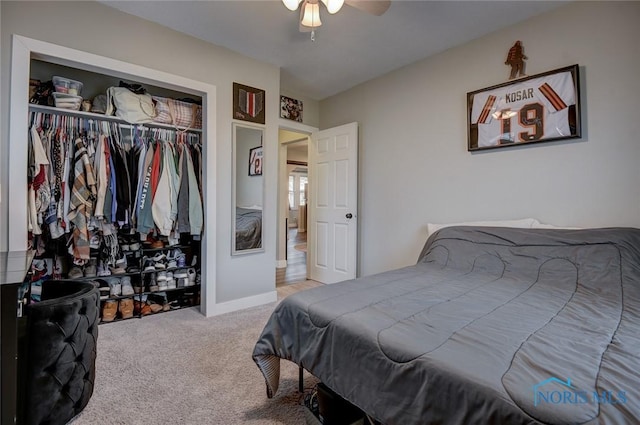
375,7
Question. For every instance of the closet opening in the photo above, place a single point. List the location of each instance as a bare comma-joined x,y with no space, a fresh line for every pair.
64,129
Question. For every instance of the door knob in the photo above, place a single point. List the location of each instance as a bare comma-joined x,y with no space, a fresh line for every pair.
349,216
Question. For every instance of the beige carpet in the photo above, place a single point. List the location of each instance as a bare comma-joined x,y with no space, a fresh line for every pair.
182,368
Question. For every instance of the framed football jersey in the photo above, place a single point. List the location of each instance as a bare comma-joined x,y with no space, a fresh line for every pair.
539,108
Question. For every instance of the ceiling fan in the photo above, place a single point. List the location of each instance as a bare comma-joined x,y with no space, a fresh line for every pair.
310,10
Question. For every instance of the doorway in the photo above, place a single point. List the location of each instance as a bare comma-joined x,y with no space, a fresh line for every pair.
294,188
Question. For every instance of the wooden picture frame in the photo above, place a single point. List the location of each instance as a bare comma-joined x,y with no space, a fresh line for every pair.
248,103
539,108
255,161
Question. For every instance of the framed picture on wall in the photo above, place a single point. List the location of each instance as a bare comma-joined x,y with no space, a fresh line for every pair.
290,109
539,108
255,161
248,103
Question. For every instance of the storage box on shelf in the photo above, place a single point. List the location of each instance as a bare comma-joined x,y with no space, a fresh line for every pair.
67,85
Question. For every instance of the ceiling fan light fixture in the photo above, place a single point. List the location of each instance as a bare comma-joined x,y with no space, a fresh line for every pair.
333,6
291,4
311,15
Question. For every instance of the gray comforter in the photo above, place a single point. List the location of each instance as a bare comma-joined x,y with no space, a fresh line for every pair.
248,228
492,325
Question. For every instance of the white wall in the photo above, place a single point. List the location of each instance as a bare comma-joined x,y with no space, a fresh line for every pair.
95,28
414,166
310,108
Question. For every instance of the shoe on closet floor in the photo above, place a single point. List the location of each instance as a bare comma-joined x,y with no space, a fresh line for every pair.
153,283
138,287
75,272
162,280
159,261
105,290
191,272
115,286
109,310
171,282
127,288
91,269
118,270
125,306
148,264
103,270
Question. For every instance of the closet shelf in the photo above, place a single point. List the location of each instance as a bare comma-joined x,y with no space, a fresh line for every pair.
102,117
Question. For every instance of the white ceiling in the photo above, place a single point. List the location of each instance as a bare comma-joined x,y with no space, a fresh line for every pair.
351,47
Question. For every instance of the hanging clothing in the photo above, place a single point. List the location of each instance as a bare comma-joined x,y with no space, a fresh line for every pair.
82,197
182,225
145,217
195,203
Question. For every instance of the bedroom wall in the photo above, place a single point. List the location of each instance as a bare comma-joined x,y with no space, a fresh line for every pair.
95,28
414,166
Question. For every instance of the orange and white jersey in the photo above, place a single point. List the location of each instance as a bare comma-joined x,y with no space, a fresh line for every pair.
532,110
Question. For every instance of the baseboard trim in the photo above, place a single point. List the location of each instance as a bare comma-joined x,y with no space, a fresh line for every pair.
281,264
242,303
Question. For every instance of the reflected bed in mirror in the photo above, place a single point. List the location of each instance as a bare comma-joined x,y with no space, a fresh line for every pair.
248,189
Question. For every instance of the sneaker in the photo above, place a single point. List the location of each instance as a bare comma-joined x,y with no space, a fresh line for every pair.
138,287
109,310
103,270
75,272
161,276
159,261
180,273
127,288
148,265
125,307
172,264
174,253
194,260
153,283
181,260
105,290
162,284
91,269
171,282
191,272
115,286
118,270
134,246
182,282
157,301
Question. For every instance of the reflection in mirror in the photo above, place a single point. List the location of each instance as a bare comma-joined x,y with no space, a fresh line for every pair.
248,189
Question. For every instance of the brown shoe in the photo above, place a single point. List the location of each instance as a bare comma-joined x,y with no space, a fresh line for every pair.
155,307
126,308
146,309
109,310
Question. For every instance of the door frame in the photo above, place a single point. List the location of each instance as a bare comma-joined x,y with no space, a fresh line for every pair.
281,239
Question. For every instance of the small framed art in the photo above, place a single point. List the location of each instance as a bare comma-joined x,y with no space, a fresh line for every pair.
255,161
248,103
539,108
290,109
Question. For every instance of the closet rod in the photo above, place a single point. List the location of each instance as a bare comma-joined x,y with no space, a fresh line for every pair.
101,117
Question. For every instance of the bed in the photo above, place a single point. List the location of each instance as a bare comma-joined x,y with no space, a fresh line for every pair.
248,228
492,325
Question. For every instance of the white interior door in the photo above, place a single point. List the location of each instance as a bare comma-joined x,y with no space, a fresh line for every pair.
333,204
